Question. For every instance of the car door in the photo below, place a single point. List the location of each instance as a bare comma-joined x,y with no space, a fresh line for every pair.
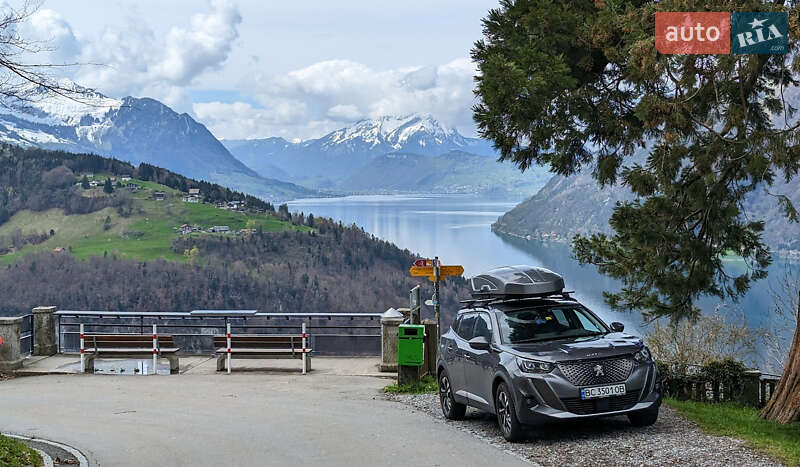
448,350
479,365
463,334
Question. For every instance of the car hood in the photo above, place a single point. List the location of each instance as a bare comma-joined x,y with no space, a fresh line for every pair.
579,348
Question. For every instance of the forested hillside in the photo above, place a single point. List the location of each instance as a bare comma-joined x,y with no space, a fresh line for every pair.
121,250
568,206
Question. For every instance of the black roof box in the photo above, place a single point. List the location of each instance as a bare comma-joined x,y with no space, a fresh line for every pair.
516,282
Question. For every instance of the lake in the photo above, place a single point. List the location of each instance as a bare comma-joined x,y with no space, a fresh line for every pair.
457,228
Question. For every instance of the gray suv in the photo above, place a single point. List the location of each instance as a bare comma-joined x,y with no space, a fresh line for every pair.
524,350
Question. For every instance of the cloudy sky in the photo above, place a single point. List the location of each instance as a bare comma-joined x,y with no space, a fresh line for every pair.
250,69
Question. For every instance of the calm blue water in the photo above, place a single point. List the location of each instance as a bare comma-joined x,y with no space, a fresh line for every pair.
457,229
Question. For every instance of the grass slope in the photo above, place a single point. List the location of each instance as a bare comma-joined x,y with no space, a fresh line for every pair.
14,453
146,234
780,441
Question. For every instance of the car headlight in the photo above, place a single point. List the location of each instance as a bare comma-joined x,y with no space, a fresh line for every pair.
642,355
534,366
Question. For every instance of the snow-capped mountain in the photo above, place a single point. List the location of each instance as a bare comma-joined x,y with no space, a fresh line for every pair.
324,161
131,129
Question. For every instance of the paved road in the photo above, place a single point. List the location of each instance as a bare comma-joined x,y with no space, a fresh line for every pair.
238,419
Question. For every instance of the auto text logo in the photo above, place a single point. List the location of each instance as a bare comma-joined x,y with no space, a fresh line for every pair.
721,32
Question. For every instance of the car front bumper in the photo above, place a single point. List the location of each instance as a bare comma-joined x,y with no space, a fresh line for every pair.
551,397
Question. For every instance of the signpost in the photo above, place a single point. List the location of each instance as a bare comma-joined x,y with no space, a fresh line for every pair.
414,305
435,272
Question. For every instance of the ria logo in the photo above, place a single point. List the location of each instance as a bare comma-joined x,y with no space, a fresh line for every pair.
598,370
759,33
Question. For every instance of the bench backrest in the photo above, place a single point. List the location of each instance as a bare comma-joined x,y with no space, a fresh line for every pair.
255,341
125,341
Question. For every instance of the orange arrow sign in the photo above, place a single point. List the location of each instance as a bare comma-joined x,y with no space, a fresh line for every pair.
427,271
421,271
451,270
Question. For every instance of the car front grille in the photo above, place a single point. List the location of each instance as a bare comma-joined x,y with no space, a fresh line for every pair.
609,404
591,372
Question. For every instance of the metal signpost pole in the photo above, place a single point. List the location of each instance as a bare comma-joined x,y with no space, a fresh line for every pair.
436,298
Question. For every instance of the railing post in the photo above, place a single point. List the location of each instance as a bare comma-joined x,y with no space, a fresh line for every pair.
83,349
155,349
228,335
10,345
304,346
44,331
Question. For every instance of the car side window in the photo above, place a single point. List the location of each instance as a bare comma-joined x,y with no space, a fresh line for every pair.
466,325
454,326
483,327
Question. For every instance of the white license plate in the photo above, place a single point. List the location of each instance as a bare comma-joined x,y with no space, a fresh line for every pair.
603,391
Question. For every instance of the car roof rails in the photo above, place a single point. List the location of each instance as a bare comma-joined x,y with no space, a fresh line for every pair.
517,282
483,302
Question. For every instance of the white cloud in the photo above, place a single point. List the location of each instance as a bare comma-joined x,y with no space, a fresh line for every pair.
205,45
346,112
54,35
134,60
329,94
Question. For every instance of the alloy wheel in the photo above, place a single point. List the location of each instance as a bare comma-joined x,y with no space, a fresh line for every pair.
504,412
445,394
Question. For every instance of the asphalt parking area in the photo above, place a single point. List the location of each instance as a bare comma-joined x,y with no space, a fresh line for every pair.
237,419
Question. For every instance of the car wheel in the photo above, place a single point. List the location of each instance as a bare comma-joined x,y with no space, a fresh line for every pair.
643,418
451,409
506,415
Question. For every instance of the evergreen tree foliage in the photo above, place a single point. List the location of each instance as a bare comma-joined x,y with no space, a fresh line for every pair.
578,85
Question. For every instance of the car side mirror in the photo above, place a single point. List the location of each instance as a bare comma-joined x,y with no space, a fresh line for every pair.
479,343
617,326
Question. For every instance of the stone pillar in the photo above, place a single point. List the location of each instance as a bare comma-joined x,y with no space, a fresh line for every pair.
390,321
10,358
44,331
751,385
431,347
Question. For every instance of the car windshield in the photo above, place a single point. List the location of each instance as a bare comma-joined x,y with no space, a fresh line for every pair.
547,323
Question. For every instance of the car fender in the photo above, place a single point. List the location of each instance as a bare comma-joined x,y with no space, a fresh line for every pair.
501,375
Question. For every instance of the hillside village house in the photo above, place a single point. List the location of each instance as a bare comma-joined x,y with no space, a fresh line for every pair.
126,179
220,229
186,229
159,196
193,196
94,183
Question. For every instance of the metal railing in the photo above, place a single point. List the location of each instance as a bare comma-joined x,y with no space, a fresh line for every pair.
26,336
345,334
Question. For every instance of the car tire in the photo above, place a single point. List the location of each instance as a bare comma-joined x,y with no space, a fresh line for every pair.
643,418
451,409
507,415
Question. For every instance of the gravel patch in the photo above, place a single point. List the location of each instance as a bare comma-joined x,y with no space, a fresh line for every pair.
672,440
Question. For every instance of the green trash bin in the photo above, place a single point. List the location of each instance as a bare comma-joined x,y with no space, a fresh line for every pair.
410,345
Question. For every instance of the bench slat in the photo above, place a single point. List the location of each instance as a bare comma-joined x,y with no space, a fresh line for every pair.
136,350
262,351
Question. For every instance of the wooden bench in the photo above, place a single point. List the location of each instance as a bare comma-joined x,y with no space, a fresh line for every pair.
128,346
261,346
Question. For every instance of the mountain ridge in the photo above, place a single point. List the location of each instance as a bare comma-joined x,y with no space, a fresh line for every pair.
324,162
135,130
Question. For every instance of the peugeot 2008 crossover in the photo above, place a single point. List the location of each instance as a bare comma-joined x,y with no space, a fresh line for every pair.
524,350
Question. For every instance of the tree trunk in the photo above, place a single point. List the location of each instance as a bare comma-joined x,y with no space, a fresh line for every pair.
784,405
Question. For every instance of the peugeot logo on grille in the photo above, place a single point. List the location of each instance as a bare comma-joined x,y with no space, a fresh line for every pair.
598,370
